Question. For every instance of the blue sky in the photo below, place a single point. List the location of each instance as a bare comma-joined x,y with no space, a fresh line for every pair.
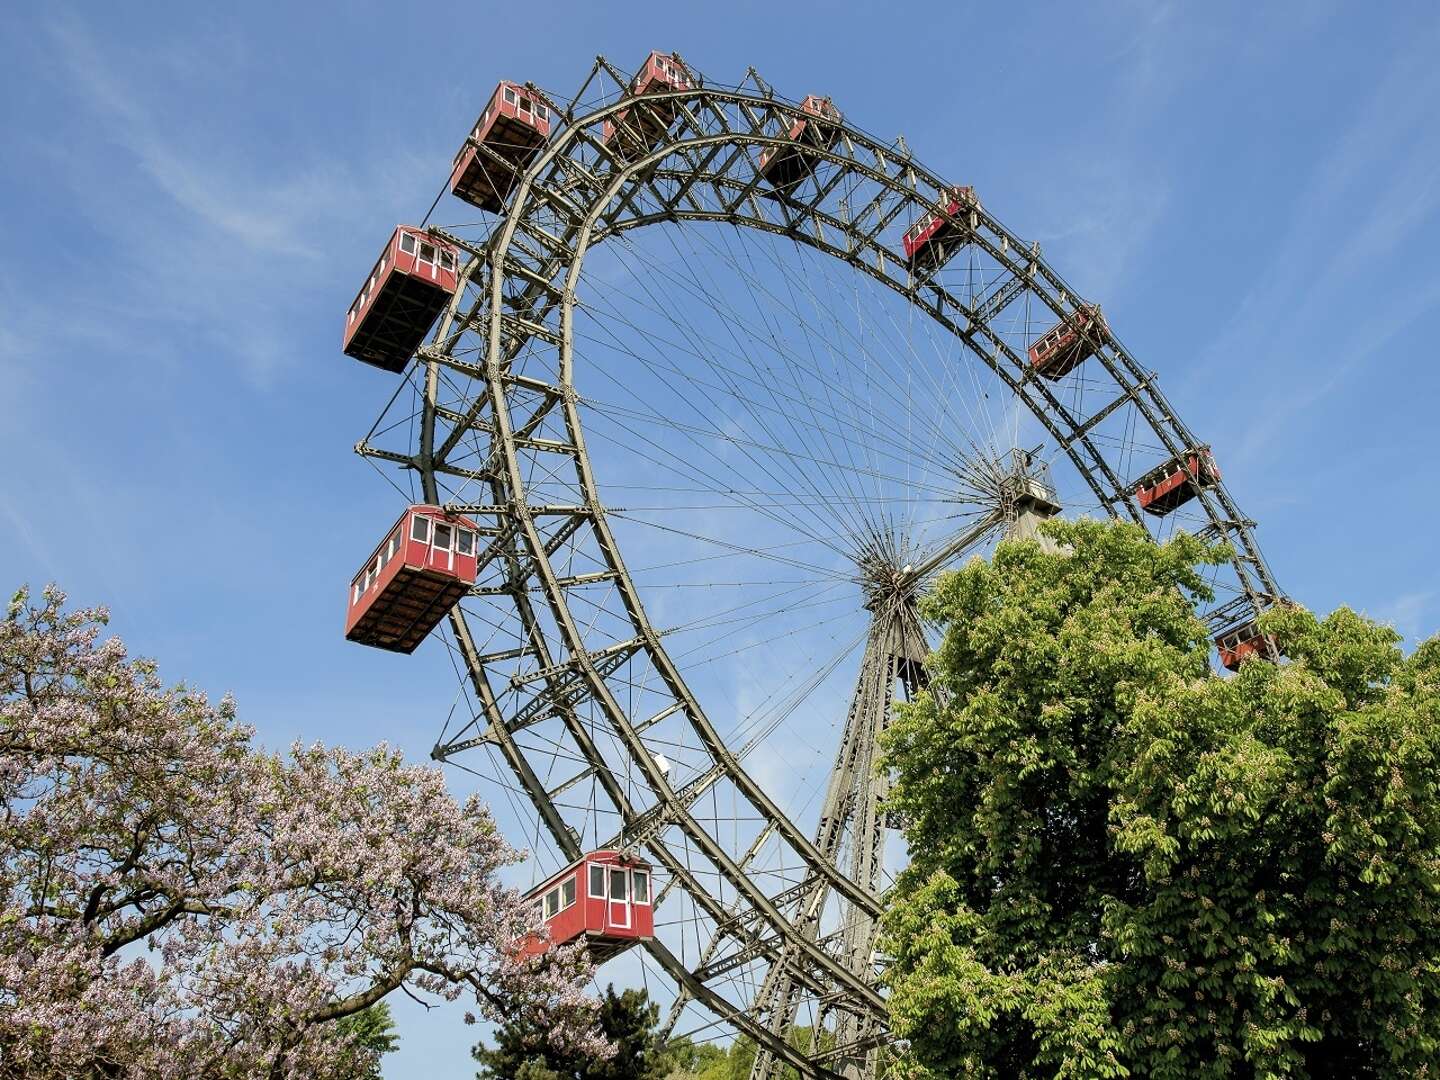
191,199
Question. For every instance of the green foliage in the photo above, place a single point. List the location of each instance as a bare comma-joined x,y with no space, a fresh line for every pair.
627,1020
1125,864
373,1030
689,1060
734,1063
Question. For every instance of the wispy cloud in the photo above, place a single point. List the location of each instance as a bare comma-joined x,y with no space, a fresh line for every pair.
21,529
1114,191
228,193
1406,612
227,238
1147,61
1115,207
1374,187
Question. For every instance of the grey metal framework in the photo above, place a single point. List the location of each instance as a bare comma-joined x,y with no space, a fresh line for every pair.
500,438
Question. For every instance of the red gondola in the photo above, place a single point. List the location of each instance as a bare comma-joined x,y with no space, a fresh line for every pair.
424,565
606,898
1176,482
634,132
783,167
928,243
1067,345
410,285
1240,641
514,126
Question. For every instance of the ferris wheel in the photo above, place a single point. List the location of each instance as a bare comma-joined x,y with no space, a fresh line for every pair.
672,494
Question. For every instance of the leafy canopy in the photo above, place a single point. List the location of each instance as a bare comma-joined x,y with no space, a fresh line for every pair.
1126,864
628,1020
372,1034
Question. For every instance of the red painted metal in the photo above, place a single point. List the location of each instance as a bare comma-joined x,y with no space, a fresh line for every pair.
1069,343
425,564
605,898
412,282
1176,482
783,167
514,126
634,132
1241,641
926,240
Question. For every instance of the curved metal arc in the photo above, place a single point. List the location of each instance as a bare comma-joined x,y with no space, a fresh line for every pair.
600,690
1156,409
911,288
539,286
503,441
567,843
659,656
581,131
1143,392
1110,494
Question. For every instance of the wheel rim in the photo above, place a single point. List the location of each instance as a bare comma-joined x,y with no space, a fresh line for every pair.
498,394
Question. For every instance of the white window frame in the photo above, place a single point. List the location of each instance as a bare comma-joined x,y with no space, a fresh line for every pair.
618,872
640,875
590,881
420,524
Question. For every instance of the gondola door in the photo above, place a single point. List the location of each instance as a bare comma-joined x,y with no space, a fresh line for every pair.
442,545
617,907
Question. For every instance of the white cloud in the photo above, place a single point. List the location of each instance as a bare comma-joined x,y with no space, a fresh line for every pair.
1406,612
21,529
1351,218
203,248
263,213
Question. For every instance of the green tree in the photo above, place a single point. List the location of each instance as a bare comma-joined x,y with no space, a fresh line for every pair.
735,1062
690,1060
1125,864
372,1032
627,1019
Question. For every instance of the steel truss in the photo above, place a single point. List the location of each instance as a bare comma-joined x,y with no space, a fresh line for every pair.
500,438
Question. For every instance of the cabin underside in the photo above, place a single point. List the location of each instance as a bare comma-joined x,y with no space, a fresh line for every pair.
1065,359
603,947
397,323
485,182
411,606
640,128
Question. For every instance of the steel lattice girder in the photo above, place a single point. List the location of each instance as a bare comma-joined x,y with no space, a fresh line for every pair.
521,296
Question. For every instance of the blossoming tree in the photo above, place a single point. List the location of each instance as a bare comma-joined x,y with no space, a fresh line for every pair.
176,902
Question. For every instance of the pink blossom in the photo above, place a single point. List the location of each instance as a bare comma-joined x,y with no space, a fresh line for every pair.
175,902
